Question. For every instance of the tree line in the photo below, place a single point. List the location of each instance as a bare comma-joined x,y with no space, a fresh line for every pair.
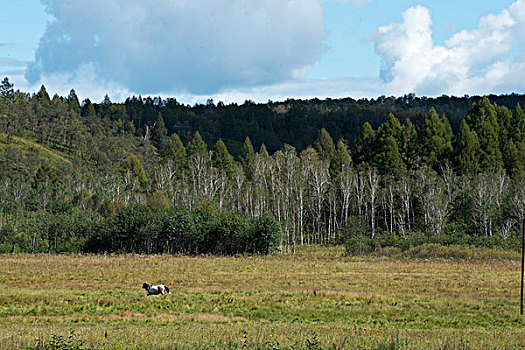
398,178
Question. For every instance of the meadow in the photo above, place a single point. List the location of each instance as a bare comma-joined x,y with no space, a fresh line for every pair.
318,298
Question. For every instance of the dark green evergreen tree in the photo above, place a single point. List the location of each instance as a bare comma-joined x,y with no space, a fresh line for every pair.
42,95
518,171
388,157
159,134
482,119
73,103
6,88
504,117
409,149
517,130
221,158
176,151
510,157
88,110
197,147
436,139
365,145
247,157
325,147
467,150
342,156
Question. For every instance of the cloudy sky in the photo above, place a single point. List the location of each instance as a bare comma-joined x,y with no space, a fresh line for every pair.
233,50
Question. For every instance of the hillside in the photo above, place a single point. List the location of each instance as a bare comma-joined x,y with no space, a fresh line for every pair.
20,157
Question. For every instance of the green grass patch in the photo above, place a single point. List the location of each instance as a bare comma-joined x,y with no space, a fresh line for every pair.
28,146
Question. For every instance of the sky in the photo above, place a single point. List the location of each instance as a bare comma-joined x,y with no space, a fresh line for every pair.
234,50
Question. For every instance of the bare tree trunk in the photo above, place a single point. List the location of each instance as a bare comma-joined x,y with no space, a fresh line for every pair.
373,184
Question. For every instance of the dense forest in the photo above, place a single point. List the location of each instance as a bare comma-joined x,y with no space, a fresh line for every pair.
151,175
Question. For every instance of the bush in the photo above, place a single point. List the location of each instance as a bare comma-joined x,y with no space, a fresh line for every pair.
140,229
359,245
180,233
264,236
458,252
355,226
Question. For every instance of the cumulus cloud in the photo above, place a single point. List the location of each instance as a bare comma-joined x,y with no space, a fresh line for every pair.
486,59
201,46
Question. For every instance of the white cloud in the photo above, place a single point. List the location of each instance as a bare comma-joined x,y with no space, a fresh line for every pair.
240,49
297,89
200,46
487,59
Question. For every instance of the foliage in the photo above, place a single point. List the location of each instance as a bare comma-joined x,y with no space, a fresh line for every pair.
440,167
151,230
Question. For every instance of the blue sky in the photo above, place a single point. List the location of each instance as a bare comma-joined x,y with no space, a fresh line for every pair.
232,50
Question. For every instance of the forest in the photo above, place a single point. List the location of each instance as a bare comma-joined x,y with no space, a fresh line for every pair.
152,175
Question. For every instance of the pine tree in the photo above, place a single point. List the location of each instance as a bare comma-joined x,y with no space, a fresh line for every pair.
197,146
389,136
72,100
482,119
504,117
365,145
409,146
466,150
392,127
42,95
175,151
263,151
221,158
518,171
325,147
159,135
246,157
6,88
518,125
388,159
436,139
88,111
510,157
342,156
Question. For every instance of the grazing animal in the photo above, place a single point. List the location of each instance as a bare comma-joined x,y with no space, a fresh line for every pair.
155,290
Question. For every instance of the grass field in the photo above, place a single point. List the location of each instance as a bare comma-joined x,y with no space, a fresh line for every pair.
317,299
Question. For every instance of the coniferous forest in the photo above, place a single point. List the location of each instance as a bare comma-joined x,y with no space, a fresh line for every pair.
152,175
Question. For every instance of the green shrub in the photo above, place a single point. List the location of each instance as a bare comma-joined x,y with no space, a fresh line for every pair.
264,235
359,245
140,229
459,252
355,226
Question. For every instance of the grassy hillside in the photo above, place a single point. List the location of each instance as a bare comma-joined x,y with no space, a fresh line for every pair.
23,157
315,299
